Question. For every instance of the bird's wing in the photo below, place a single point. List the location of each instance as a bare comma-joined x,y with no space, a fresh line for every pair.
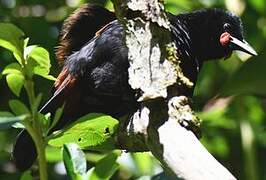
79,33
80,27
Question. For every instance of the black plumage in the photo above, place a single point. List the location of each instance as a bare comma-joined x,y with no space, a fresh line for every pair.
95,73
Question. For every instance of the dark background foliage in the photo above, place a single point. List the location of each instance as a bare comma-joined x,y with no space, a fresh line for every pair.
229,97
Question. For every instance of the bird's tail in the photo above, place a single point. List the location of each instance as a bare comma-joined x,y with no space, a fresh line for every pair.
24,151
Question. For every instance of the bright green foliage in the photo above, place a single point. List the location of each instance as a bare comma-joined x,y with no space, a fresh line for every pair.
105,168
14,77
75,162
21,74
76,166
88,131
31,59
12,38
18,107
53,155
15,82
39,62
13,68
26,176
144,163
56,118
7,122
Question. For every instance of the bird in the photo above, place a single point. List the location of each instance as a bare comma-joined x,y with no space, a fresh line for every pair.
94,77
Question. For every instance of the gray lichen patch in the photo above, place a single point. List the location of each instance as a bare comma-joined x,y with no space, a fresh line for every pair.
147,72
153,10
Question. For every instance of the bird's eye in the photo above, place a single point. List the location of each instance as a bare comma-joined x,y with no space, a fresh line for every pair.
227,26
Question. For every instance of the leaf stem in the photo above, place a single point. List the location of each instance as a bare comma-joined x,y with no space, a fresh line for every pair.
40,146
35,130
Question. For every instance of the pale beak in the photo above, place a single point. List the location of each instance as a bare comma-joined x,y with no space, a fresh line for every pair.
242,46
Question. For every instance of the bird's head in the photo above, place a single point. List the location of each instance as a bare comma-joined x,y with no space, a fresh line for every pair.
216,33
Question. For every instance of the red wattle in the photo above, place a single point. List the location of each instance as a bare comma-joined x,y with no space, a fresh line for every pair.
225,38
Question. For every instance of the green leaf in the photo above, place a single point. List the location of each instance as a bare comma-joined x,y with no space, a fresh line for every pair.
74,161
15,78
143,162
26,176
44,121
13,68
6,114
15,82
18,125
39,60
37,102
26,42
18,57
57,116
105,147
7,122
105,168
18,108
9,114
249,79
88,131
49,77
12,38
28,50
53,154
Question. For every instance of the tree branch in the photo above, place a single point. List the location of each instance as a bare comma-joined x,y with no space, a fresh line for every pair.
165,123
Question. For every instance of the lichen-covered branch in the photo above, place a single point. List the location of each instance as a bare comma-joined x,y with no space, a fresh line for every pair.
154,65
164,124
